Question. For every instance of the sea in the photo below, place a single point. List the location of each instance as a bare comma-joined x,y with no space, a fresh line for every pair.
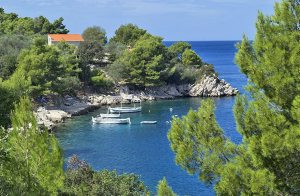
144,149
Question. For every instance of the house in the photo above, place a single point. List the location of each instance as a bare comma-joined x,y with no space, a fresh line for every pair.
74,39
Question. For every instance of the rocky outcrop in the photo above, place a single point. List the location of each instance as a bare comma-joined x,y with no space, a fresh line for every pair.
49,118
210,86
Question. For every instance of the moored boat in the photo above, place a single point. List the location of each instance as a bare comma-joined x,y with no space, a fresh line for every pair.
101,120
110,115
149,122
125,109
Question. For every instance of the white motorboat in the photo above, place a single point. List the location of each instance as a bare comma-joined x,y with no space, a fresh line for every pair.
110,115
125,110
149,122
101,120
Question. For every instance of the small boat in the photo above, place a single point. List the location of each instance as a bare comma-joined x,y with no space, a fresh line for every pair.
149,122
125,110
110,115
100,120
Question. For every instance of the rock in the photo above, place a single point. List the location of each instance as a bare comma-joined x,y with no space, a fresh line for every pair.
49,118
172,90
184,89
211,86
56,116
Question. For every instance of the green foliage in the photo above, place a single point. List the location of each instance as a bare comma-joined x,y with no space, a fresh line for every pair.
11,24
89,52
34,163
68,59
192,139
46,66
267,161
42,25
150,63
115,50
57,27
180,74
142,65
95,33
82,180
118,71
190,58
9,52
10,92
100,81
68,85
178,48
5,105
128,34
163,188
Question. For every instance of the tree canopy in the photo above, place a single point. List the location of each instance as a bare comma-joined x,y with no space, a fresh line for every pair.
150,63
267,161
128,34
178,48
10,49
11,24
191,58
95,33
163,189
45,66
33,160
81,179
142,65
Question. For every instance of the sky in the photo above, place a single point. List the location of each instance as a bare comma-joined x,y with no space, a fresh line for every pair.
174,20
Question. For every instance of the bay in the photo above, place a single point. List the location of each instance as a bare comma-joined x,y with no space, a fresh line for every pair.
145,149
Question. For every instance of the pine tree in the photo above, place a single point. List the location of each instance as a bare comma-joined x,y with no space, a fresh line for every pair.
267,161
34,159
163,189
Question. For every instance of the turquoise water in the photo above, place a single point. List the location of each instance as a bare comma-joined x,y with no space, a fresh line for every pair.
144,149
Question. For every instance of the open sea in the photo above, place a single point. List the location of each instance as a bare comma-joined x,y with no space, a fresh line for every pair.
145,149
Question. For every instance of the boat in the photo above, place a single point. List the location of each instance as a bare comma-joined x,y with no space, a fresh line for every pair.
110,115
125,110
101,120
149,122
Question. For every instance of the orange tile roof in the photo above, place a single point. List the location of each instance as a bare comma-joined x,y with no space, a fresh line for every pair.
66,37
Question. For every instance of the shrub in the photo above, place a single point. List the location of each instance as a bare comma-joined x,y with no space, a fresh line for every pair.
81,179
191,58
100,81
68,85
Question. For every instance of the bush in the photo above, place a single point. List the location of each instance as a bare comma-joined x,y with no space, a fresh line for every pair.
191,58
163,189
9,52
118,71
68,85
207,70
81,179
100,81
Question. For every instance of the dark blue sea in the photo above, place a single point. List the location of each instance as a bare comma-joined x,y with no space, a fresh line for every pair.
144,149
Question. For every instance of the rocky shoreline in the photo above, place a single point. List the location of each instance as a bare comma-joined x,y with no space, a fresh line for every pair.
210,86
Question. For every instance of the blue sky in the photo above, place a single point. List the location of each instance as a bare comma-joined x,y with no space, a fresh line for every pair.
171,19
